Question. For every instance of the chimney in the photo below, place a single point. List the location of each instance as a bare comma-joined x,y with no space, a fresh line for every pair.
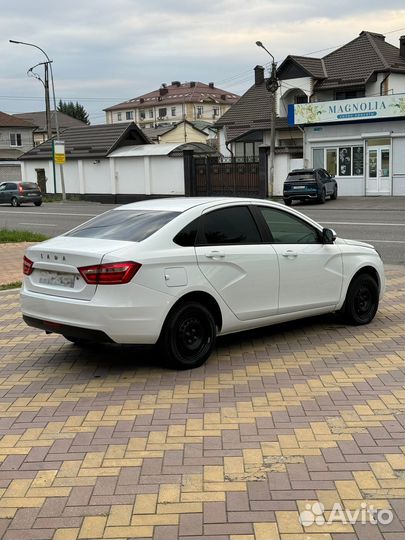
402,47
192,84
211,85
141,100
223,97
259,75
163,91
176,83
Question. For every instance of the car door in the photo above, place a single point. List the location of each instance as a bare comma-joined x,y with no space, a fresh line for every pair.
237,263
323,177
311,272
2,192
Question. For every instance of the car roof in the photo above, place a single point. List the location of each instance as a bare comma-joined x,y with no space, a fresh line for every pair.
303,171
181,204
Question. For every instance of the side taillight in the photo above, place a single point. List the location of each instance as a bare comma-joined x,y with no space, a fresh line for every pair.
20,188
110,273
27,266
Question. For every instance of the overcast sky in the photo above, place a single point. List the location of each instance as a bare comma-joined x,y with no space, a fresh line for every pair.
107,51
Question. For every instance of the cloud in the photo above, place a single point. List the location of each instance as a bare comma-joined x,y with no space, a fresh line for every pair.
105,52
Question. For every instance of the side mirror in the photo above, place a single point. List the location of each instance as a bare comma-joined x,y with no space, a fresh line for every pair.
328,236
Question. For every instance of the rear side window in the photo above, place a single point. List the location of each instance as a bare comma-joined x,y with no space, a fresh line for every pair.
186,237
130,225
29,185
233,225
11,186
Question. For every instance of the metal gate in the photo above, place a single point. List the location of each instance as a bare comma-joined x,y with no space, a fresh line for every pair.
218,176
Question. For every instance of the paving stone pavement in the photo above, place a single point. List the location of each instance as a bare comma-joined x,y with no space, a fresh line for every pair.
105,443
11,257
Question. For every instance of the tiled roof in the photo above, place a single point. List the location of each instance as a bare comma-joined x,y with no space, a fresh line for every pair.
354,63
92,141
314,66
7,120
38,118
178,93
250,113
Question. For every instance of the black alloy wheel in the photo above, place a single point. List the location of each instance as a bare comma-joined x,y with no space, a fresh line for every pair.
362,299
334,194
14,202
288,202
188,336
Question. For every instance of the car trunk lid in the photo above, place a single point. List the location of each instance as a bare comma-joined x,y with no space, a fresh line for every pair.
56,262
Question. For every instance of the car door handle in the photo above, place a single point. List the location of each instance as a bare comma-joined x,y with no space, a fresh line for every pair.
290,254
215,254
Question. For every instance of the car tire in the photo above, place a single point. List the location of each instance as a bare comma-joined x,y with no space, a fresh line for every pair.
14,202
362,300
322,197
334,194
38,203
79,342
188,336
288,202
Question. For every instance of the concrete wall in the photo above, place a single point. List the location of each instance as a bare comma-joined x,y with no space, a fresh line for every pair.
151,175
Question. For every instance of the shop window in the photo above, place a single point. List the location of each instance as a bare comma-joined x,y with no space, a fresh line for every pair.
345,161
358,161
317,158
331,161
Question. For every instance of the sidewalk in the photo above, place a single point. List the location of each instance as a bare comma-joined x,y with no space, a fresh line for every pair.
11,257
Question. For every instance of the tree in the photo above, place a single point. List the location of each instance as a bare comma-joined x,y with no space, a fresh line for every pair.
75,110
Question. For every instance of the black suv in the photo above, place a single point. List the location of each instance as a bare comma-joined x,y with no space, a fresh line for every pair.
309,184
15,193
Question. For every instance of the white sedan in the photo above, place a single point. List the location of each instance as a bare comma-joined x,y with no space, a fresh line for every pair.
177,272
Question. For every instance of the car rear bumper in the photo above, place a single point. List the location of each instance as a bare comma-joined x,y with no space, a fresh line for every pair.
302,196
109,313
26,199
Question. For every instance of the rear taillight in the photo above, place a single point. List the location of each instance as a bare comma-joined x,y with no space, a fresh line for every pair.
27,266
20,188
109,273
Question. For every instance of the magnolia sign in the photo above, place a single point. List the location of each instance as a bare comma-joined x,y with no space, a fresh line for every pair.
348,109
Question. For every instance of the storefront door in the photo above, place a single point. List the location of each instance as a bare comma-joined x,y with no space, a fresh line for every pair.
378,170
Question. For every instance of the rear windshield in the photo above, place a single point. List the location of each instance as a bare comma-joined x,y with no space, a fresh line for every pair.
297,176
130,225
29,185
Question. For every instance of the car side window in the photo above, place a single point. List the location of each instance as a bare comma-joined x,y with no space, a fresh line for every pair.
234,225
11,186
288,229
186,237
3,187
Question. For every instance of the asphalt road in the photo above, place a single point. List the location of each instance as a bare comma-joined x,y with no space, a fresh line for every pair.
377,220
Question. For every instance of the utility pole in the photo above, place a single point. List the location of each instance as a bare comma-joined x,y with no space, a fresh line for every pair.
47,103
272,85
49,62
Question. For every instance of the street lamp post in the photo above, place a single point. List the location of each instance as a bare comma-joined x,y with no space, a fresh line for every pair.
272,85
49,62
45,84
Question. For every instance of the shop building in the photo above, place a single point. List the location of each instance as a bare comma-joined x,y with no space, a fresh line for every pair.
354,121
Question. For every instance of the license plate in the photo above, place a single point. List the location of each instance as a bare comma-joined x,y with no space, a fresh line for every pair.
57,279
298,187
